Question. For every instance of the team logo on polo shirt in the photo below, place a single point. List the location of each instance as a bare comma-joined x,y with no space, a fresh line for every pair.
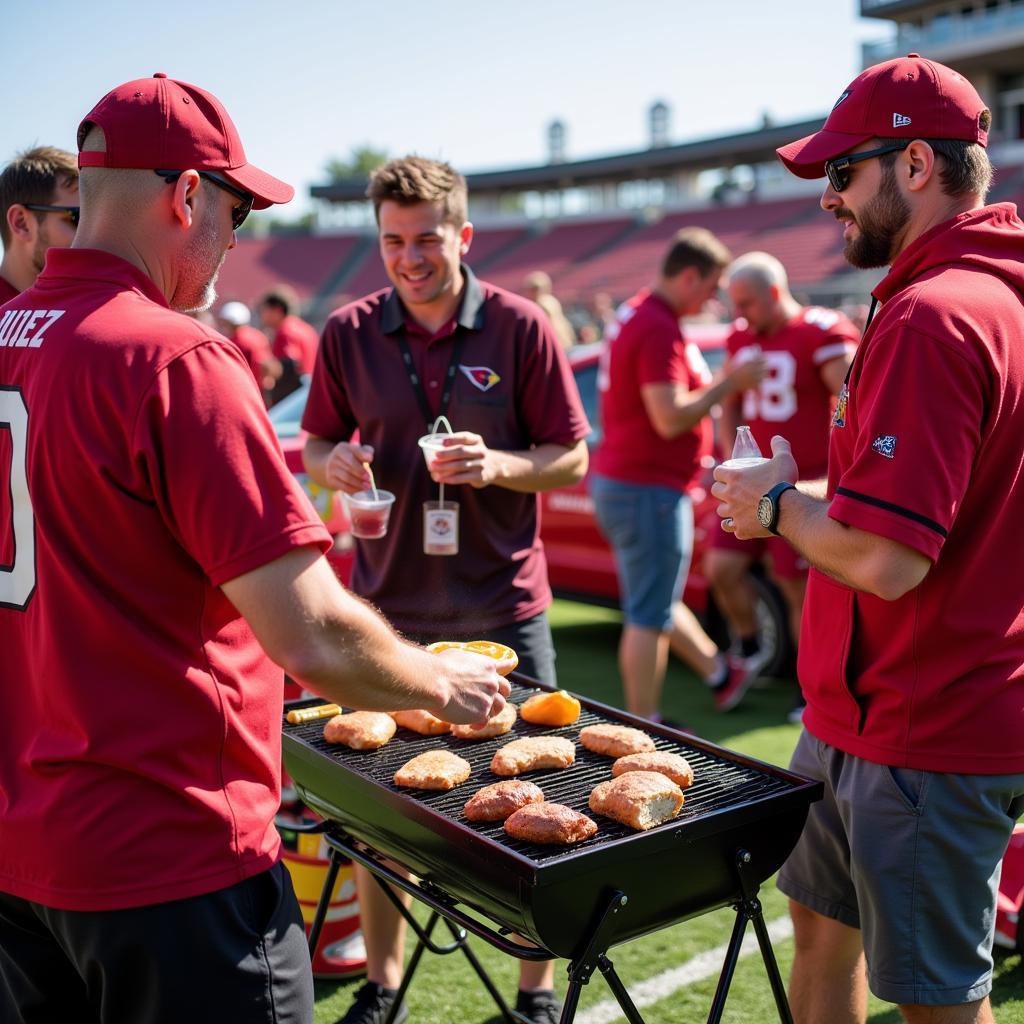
839,416
481,377
885,444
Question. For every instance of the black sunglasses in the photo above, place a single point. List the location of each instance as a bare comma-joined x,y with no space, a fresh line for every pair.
838,170
238,213
71,211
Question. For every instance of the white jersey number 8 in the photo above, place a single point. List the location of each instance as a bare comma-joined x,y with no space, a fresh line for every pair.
774,399
18,580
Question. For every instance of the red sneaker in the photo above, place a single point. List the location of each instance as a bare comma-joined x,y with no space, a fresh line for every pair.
741,675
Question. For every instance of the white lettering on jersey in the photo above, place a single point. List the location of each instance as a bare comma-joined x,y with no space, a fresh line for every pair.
20,328
774,399
698,364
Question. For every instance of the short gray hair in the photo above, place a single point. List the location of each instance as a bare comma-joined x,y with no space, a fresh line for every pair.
760,268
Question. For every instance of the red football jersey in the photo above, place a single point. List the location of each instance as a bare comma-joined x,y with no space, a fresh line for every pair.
793,400
648,349
140,737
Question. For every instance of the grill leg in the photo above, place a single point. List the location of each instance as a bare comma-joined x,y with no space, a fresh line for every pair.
325,899
481,973
732,955
414,962
572,1000
632,1014
751,908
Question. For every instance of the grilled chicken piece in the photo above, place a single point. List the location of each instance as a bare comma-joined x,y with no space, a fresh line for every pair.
640,800
500,724
670,765
435,769
422,722
497,801
532,753
550,824
615,740
360,730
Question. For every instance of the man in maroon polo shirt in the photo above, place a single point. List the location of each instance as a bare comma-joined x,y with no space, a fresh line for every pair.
912,648
442,342
38,208
158,555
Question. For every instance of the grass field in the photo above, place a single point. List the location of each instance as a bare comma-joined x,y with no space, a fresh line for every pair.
445,990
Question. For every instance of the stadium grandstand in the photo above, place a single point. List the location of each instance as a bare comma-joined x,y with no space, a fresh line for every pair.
600,224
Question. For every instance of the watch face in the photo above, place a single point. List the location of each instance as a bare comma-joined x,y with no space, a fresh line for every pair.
764,512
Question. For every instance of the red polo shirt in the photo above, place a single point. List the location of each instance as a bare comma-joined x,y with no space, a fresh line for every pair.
793,400
296,340
927,450
254,346
513,386
648,349
140,736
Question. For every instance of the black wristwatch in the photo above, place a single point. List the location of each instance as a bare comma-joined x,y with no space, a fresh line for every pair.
768,506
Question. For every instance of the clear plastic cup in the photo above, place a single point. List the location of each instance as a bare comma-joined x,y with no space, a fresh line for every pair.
369,514
745,463
430,445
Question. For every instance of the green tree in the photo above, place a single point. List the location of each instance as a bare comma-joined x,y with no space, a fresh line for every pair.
361,161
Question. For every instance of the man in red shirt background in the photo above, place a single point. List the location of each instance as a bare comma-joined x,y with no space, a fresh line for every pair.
38,208
912,647
807,351
140,760
656,393
233,320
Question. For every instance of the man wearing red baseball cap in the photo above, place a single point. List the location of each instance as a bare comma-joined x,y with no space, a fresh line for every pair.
912,647
158,555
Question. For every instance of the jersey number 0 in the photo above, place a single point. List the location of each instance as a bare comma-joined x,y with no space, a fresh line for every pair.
18,579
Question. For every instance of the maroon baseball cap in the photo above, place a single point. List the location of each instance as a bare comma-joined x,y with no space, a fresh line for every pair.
906,98
160,123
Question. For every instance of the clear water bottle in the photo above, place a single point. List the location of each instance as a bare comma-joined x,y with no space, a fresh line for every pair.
745,451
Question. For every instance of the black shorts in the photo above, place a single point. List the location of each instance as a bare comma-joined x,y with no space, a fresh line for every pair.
235,955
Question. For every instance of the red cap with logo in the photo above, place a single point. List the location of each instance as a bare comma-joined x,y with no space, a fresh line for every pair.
159,123
906,98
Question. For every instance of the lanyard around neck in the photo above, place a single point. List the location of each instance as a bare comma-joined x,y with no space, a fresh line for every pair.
417,384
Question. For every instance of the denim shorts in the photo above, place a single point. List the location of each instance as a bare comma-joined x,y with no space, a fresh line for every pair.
650,529
912,859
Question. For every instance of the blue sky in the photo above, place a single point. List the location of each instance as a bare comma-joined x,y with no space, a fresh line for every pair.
473,82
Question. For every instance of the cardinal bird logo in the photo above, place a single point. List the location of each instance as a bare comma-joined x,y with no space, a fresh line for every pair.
481,377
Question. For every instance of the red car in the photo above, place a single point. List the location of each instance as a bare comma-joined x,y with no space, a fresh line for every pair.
580,563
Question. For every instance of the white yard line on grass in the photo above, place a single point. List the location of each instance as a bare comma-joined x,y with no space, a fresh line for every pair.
704,965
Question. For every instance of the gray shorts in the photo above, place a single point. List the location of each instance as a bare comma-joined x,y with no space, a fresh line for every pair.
911,858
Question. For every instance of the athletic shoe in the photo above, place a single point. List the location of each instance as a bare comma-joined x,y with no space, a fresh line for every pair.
539,1007
740,678
371,1006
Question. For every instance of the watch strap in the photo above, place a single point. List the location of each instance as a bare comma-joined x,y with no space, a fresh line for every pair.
773,496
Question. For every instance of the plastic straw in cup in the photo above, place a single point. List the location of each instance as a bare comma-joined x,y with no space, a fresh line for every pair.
373,485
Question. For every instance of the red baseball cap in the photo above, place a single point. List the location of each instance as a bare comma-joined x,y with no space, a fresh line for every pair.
156,123
906,98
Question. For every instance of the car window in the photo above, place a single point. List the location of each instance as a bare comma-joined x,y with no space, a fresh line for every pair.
286,416
586,381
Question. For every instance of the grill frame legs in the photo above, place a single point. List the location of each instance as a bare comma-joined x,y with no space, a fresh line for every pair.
593,956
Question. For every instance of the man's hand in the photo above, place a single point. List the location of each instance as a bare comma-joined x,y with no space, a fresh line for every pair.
747,373
466,459
345,468
475,690
739,490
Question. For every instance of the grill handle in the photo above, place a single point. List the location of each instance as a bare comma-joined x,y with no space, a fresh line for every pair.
434,897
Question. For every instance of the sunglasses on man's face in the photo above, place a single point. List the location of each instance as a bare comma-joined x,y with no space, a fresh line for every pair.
238,213
71,212
838,170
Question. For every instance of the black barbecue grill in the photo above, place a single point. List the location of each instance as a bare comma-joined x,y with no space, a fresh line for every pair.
739,822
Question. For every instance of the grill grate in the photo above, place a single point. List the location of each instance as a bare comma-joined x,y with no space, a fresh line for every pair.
719,782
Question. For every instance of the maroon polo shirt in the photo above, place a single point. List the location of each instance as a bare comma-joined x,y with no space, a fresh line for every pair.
140,751
513,386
